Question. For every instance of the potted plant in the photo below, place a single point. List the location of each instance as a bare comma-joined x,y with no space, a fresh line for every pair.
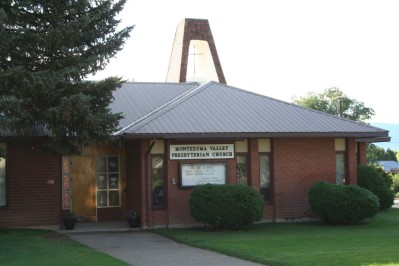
133,219
69,220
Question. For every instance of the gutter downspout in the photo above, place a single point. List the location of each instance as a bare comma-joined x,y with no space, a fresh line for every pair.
148,185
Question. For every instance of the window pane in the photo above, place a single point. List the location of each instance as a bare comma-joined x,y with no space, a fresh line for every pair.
340,168
101,181
113,164
157,182
242,177
108,181
2,181
102,199
265,176
101,165
113,181
114,198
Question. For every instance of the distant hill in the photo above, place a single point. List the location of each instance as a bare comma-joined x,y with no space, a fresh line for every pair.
393,133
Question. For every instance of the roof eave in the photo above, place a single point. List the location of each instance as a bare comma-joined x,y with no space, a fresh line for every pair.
377,139
370,136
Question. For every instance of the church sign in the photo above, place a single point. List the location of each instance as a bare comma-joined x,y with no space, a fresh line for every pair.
194,174
201,151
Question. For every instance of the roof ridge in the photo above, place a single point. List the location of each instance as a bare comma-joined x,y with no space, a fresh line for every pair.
164,108
161,82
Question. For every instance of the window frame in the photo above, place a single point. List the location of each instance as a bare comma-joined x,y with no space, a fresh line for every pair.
271,192
202,163
107,188
344,180
164,183
5,196
244,154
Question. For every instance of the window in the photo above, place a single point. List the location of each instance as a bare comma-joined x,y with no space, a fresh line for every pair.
158,191
242,173
107,181
340,168
2,175
265,176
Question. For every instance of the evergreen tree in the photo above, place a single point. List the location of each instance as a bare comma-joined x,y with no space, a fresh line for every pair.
47,50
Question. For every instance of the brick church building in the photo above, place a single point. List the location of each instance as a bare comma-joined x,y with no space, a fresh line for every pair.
191,130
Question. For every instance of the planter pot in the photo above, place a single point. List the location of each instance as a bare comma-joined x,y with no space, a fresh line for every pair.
69,224
134,222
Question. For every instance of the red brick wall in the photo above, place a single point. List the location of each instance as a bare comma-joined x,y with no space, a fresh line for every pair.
178,211
298,163
33,187
34,181
351,161
362,153
178,205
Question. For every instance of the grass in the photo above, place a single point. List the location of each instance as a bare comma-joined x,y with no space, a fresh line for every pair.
42,247
373,243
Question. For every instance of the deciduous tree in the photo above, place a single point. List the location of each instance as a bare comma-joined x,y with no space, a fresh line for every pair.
375,153
334,101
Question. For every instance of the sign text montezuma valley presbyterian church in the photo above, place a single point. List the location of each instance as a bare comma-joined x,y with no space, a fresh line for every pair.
201,151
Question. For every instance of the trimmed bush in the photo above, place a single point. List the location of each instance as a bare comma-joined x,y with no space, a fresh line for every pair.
205,205
369,177
338,204
225,206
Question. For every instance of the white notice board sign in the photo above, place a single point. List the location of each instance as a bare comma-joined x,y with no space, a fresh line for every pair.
194,174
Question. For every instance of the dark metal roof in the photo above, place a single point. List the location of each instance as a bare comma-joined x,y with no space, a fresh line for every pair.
136,100
33,131
215,110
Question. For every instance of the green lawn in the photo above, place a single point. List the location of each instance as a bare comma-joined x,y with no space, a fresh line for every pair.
42,247
373,243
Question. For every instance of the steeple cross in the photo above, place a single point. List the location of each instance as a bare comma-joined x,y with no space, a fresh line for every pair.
194,54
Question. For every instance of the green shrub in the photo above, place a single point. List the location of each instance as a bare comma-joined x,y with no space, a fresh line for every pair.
370,178
205,205
395,183
338,204
387,177
226,206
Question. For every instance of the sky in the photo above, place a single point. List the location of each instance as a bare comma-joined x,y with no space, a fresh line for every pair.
281,48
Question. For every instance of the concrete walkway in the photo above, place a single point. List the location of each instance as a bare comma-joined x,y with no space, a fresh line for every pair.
142,248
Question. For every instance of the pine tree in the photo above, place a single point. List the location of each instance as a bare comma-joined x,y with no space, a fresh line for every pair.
48,48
